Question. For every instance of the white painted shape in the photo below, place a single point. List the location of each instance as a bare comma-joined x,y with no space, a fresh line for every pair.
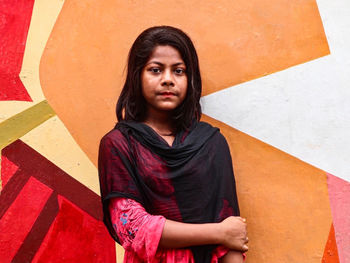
303,110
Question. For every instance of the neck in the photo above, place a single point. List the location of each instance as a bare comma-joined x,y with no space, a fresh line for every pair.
161,122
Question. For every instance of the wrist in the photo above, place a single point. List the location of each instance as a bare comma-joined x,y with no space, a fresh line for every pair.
216,234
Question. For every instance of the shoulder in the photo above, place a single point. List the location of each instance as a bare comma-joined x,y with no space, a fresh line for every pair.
217,139
210,128
114,139
114,135
206,124
204,127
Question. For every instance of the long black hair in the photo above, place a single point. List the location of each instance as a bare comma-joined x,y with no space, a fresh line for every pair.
131,104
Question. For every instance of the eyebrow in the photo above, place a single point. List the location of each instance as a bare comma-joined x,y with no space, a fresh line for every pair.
161,64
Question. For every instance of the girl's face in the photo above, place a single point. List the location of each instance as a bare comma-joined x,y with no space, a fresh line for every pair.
164,80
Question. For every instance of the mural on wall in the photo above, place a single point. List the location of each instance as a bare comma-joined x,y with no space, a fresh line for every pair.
46,214
60,217
15,20
60,79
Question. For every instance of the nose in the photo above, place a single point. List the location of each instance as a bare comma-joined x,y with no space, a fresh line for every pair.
167,78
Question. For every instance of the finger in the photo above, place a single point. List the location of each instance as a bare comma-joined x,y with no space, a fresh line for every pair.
243,219
246,240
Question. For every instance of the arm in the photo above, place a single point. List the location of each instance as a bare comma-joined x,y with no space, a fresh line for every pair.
231,233
178,235
233,257
139,230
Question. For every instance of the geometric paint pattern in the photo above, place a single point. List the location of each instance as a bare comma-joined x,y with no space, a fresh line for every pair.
13,235
75,236
18,125
14,24
49,201
303,110
248,45
8,169
236,42
330,254
52,140
339,195
282,199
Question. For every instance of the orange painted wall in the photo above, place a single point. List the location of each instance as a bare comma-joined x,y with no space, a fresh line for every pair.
82,72
82,68
282,198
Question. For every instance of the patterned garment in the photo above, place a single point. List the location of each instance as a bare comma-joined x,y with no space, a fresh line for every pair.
191,181
139,233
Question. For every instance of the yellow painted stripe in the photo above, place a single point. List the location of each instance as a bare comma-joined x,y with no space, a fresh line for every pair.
23,122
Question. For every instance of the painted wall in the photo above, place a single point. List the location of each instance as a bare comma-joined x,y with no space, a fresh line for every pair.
275,82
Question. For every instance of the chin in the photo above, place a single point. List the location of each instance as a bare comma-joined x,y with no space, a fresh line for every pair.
167,107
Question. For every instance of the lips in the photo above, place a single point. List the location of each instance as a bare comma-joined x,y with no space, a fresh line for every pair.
167,93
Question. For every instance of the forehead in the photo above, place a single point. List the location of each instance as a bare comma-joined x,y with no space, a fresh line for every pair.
166,53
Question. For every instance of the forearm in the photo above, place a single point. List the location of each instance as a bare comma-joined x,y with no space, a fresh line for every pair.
178,235
230,233
232,257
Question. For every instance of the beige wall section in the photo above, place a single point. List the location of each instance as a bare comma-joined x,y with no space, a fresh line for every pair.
120,253
45,13
52,140
21,123
284,200
236,41
11,108
44,16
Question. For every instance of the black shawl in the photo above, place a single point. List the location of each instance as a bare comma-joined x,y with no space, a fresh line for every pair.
191,181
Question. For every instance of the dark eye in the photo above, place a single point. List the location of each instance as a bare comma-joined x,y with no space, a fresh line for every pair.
155,70
179,71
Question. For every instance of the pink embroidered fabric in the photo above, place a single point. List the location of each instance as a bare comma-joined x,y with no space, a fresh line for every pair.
140,233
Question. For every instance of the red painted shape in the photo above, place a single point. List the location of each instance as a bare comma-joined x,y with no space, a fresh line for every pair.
8,169
15,16
339,196
32,163
20,217
75,236
79,218
330,254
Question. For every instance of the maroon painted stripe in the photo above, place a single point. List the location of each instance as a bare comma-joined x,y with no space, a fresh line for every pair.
31,163
19,219
35,237
11,191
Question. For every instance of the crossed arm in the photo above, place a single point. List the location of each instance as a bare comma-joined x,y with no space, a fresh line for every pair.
231,233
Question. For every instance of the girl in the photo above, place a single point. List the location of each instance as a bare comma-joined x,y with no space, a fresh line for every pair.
167,184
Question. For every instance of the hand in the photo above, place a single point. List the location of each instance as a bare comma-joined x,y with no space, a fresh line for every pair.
234,233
